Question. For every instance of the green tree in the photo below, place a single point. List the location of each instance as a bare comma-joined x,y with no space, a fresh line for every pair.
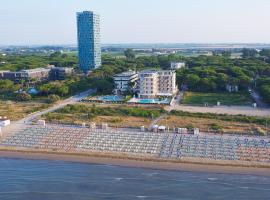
130,54
265,52
249,53
193,80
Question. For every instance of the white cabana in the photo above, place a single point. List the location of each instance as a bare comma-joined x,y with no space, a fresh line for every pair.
162,128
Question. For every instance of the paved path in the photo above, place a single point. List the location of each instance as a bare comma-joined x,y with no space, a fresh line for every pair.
258,99
155,121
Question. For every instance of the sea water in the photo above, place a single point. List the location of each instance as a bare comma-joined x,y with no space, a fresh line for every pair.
57,180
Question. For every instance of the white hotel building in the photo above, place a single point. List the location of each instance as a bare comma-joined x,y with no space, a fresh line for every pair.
122,81
154,83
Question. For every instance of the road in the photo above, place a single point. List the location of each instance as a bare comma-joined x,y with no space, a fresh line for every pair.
258,99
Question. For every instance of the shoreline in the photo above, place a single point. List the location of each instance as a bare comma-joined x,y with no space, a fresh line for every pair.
189,165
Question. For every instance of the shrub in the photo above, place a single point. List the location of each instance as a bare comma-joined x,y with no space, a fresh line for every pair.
260,131
53,98
215,127
23,97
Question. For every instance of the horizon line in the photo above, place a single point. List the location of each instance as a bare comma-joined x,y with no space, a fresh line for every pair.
142,43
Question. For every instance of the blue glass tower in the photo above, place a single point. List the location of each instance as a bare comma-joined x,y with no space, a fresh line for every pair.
88,32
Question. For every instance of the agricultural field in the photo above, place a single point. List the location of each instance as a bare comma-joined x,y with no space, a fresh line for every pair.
211,99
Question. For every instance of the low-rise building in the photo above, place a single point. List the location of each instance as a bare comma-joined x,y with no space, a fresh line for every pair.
59,73
155,83
177,65
124,81
38,74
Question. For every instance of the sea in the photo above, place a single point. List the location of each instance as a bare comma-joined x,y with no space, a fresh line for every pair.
58,180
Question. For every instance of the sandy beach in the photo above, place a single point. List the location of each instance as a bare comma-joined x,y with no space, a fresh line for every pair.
187,164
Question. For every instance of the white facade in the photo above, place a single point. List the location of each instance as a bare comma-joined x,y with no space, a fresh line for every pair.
122,81
157,83
177,65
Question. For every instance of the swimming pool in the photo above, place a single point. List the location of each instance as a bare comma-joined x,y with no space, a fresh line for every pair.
113,98
155,101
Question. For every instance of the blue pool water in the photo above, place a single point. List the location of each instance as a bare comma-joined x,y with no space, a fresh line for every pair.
114,98
154,101
57,180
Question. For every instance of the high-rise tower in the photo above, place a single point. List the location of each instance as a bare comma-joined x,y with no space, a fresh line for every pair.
88,32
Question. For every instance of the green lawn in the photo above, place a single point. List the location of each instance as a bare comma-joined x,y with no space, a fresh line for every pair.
228,99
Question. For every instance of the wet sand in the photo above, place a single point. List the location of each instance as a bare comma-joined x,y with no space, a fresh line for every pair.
187,164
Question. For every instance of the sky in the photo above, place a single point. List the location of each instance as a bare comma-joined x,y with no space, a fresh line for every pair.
49,22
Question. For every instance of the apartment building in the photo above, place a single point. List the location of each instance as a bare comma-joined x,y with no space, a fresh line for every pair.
155,83
124,80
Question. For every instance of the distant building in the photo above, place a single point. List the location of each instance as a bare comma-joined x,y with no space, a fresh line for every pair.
2,74
232,88
177,65
59,73
88,33
124,80
154,83
31,75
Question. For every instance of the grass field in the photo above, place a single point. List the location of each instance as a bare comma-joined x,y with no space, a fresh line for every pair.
114,115
17,110
211,99
214,125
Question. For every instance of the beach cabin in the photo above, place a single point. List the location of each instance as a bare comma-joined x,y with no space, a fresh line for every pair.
92,125
155,128
182,131
41,122
196,131
162,129
104,126
4,122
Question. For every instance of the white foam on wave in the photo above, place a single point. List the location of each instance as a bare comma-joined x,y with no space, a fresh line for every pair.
141,197
246,188
150,174
118,179
212,179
